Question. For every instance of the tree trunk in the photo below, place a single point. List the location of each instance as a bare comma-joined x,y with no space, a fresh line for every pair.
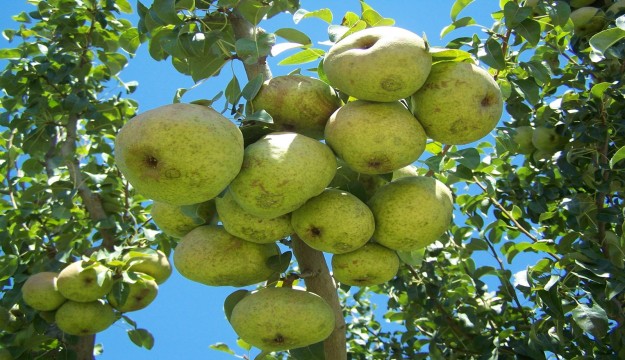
311,262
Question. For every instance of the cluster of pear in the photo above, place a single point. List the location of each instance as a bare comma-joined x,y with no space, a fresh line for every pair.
539,142
86,296
229,203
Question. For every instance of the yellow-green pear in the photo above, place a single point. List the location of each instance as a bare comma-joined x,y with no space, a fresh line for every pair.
211,256
587,20
280,172
616,8
411,213
85,281
279,318
177,220
84,318
41,293
380,63
5,354
522,136
375,138
298,103
140,294
580,3
547,139
406,171
151,262
458,104
248,227
179,154
334,221
372,264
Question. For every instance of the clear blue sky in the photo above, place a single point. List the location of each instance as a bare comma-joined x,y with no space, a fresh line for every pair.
187,317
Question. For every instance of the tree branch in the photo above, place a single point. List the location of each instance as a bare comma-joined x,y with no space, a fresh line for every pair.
320,282
91,201
243,29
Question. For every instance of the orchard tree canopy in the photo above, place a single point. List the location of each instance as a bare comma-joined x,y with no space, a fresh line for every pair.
532,264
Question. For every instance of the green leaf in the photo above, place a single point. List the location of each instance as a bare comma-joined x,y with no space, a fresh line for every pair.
593,320
605,39
222,347
310,352
530,30
205,67
10,53
599,89
141,338
130,40
323,14
462,22
493,56
515,14
294,35
302,57
8,266
457,7
413,258
442,54
165,10
280,263
373,18
232,300
252,87
253,10
618,156
123,6
233,91
21,17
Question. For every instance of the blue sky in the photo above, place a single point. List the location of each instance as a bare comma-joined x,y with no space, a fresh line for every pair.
187,317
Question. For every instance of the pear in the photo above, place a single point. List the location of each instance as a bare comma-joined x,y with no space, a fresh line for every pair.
249,227
41,293
176,221
372,264
458,104
580,3
85,281
276,319
298,103
151,262
411,213
381,63
5,354
406,171
139,295
84,318
334,221
280,172
211,256
547,139
375,138
617,8
522,136
179,154
587,20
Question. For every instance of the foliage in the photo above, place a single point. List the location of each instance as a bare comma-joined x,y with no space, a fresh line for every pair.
532,266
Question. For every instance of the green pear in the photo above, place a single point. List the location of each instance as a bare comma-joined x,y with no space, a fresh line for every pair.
411,213
587,20
280,172
547,139
5,317
41,293
85,281
522,136
378,64
279,318
84,318
248,227
211,256
5,354
139,295
334,221
530,3
151,262
298,103
375,138
580,3
406,171
616,8
176,221
458,104
372,264
179,154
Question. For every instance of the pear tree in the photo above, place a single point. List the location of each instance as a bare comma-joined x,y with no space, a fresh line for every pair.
477,176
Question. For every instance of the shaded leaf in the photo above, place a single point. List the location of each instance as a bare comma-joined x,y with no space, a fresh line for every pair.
457,7
142,338
593,320
232,300
323,14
